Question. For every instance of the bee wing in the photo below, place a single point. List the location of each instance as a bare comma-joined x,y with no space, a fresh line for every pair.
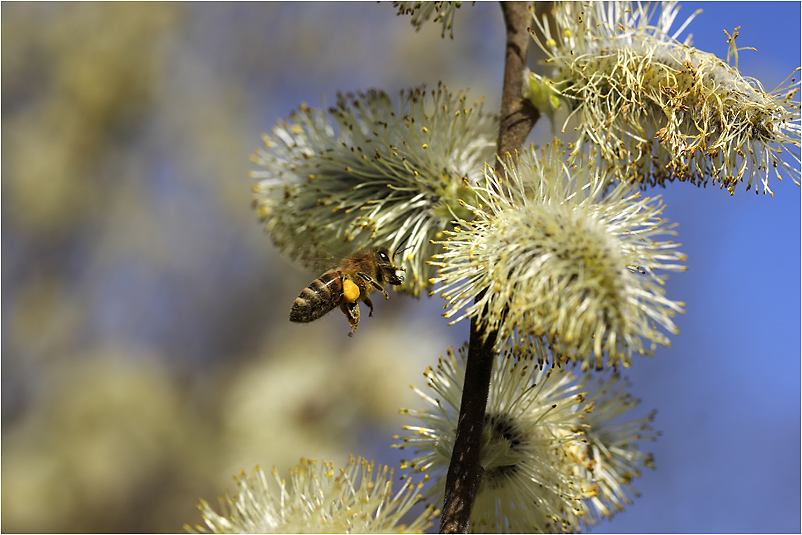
320,259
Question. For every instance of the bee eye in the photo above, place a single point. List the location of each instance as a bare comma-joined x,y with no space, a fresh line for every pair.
384,256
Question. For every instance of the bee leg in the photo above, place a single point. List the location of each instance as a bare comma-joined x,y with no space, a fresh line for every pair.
367,302
351,290
351,311
375,284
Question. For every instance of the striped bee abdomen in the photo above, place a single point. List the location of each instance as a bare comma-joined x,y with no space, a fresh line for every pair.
319,298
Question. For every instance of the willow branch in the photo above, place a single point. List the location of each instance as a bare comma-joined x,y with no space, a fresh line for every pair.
516,119
517,116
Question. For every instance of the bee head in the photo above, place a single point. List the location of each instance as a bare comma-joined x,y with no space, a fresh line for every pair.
392,273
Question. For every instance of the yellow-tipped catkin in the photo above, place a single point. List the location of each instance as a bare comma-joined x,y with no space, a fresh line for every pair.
657,109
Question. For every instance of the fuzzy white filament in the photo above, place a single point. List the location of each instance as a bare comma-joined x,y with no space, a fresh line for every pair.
659,109
549,459
551,255
388,174
319,499
422,11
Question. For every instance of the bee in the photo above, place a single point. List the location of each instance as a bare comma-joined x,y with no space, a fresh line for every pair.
354,279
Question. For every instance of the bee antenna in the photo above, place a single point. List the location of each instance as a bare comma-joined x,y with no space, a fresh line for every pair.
401,250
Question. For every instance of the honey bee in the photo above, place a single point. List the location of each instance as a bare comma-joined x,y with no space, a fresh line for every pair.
354,279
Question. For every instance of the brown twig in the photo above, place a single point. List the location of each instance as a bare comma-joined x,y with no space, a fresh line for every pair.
516,119
517,116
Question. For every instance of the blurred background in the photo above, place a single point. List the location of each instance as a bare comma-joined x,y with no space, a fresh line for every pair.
146,352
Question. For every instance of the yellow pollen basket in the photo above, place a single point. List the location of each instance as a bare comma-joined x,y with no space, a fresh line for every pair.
350,290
